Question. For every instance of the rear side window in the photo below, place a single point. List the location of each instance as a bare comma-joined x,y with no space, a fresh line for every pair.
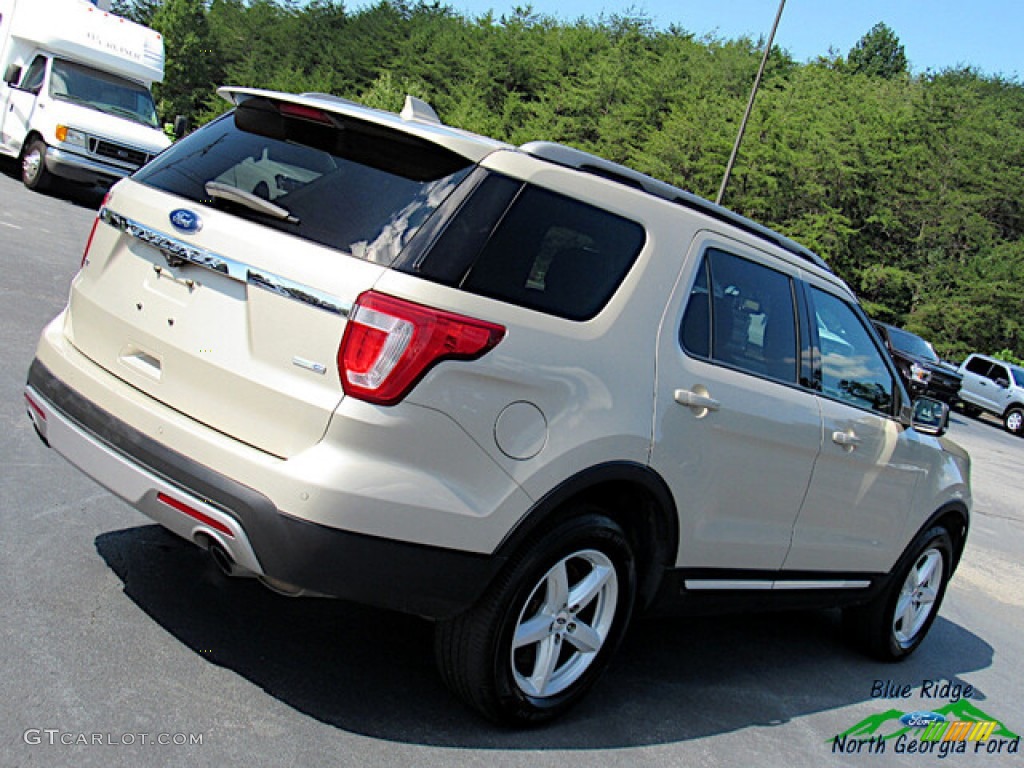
354,186
534,248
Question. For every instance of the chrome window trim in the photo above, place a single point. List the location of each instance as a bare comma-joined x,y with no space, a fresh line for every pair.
177,252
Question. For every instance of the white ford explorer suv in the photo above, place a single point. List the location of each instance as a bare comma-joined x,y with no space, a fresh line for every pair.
523,392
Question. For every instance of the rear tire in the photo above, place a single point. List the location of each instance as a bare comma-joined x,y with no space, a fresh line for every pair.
1013,420
893,625
543,633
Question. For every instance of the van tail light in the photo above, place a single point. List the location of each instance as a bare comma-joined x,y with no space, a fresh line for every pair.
92,232
389,345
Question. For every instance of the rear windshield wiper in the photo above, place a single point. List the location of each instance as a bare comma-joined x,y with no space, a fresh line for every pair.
221,191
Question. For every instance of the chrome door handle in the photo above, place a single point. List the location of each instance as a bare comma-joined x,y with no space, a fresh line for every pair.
694,400
845,439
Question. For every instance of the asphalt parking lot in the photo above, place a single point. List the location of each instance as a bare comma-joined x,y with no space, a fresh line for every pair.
123,646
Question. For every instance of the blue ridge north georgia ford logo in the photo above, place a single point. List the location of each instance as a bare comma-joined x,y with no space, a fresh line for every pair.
186,221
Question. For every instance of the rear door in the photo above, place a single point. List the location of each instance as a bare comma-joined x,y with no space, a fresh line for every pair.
220,276
735,436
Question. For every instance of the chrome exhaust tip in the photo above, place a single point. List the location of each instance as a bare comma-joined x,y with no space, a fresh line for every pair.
222,558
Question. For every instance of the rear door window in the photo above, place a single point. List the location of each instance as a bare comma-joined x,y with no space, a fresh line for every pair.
742,314
358,187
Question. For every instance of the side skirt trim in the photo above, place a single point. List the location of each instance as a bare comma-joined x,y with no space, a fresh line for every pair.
768,584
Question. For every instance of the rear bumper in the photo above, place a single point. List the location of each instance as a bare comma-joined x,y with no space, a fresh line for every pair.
163,484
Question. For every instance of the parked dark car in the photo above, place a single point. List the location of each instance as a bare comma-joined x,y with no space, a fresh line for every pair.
922,370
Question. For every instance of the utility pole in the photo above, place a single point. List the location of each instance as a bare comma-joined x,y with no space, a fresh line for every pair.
750,105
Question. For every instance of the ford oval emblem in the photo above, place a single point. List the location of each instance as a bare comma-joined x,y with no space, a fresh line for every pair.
186,221
921,719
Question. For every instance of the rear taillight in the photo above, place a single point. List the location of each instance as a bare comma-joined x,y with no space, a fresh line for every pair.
92,232
389,344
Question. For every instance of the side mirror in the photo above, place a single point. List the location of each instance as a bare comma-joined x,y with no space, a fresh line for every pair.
1002,383
930,417
180,126
13,75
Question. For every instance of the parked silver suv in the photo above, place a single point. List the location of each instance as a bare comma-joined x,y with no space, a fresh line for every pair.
523,392
994,386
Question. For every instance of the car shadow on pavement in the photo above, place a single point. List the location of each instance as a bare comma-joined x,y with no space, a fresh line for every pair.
82,195
371,672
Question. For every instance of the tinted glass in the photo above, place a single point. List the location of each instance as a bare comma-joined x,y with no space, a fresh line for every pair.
852,368
978,366
999,374
360,188
449,257
695,335
747,319
555,254
911,344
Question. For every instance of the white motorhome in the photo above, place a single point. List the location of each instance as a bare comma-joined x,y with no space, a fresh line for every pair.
75,95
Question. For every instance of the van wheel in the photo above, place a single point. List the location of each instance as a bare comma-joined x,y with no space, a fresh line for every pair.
544,632
1014,420
892,626
33,166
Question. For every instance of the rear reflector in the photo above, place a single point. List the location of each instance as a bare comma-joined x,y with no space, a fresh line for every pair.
195,514
390,344
35,408
92,232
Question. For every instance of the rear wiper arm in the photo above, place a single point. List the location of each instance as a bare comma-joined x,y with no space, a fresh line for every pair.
221,191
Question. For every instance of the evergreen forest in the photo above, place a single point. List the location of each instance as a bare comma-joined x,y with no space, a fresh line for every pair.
909,184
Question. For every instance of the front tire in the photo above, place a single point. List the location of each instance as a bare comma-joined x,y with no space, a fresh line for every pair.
1013,420
33,166
894,624
543,633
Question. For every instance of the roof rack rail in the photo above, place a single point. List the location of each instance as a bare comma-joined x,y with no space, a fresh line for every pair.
588,163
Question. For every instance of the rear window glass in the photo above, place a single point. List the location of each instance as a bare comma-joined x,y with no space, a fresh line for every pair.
357,187
535,248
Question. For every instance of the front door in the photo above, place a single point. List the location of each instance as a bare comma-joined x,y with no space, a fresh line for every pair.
855,514
21,103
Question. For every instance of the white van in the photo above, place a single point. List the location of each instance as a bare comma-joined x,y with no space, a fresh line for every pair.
75,95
